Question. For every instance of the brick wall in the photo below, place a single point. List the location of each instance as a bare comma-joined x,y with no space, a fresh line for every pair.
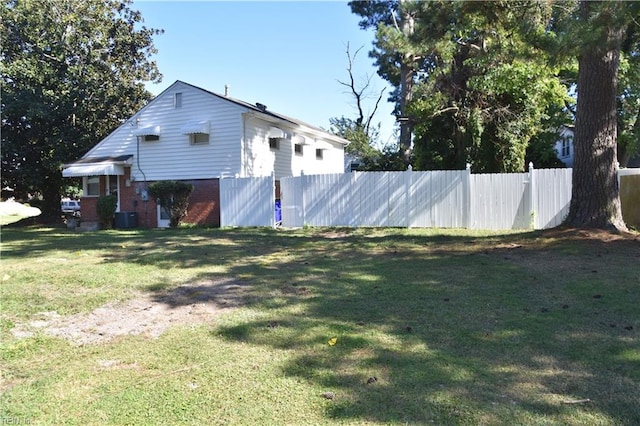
204,204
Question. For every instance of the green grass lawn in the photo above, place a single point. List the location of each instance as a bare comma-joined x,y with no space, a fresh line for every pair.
428,326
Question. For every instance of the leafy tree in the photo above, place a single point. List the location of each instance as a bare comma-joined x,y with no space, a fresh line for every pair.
174,197
72,70
361,141
472,77
486,89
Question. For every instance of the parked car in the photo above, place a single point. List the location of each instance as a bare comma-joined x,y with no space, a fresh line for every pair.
70,207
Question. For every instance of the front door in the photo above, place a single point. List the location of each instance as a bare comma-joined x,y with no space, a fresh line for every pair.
164,218
113,188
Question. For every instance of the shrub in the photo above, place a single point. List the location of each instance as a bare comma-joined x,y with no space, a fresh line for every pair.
106,209
174,197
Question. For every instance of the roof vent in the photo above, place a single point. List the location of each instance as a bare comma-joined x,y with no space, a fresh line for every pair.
261,107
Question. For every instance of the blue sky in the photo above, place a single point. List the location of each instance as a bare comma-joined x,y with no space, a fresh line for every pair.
287,55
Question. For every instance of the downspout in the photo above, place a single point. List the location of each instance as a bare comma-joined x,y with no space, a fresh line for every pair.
145,197
244,158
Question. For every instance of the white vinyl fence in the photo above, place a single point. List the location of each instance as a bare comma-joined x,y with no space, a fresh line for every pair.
247,201
403,199
538,199
551,192
439,199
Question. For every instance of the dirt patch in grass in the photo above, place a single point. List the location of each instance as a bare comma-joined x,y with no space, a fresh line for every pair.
561,251
149,314
600,235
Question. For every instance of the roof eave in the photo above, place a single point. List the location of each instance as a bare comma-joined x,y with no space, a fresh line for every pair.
288,123
120,160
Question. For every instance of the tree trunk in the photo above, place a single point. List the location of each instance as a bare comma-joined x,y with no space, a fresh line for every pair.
406,76
51,196
595,200
407,26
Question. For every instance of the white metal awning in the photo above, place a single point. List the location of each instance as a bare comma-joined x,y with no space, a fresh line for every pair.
100,169
299,139
147,131
195,127
275,132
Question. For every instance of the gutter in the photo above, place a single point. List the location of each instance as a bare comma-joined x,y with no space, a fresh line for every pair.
297,126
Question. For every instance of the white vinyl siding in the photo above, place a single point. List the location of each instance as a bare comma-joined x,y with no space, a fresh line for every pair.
172,157
238,141
261,159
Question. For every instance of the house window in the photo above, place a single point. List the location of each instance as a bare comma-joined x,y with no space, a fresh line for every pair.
177,100
151,138
566,148
199,138
274,143
297,148
319,154
91,186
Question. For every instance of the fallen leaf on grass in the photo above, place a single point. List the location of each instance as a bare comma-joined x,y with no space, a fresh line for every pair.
333,341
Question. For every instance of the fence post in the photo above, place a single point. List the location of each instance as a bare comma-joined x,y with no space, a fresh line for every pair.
356,205
274,223
468,210
408,182
532,197
303,207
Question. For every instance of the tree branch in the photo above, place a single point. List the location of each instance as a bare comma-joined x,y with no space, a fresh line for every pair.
352,85
375,108
442,111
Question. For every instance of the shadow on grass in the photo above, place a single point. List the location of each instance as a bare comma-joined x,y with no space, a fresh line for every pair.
223,293
429,328
430,331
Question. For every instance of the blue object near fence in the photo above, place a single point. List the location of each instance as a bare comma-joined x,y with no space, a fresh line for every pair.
278,212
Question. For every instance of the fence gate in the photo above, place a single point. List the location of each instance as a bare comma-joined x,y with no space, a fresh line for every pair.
247,201
501,201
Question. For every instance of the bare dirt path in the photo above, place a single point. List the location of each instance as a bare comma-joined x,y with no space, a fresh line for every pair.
145,314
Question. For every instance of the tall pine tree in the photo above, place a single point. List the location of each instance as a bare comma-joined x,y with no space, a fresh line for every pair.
595,200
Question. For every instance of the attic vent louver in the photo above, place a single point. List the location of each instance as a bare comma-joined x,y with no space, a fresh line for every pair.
261,107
